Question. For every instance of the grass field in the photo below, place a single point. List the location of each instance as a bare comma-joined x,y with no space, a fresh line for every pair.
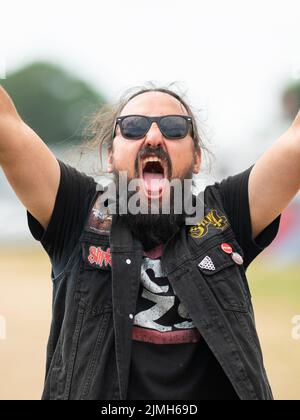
276,297
25,304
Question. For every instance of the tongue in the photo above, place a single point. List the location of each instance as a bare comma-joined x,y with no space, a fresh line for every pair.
153,182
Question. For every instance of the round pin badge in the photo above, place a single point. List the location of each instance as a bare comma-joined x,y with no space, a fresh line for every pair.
227,248
237,258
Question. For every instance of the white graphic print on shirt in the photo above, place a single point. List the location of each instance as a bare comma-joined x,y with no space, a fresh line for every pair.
160,317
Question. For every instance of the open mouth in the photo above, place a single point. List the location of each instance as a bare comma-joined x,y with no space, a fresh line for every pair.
153,176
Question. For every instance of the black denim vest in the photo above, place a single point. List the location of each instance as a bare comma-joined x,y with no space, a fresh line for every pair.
94,301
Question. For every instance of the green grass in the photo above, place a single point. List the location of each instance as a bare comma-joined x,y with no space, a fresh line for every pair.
273,283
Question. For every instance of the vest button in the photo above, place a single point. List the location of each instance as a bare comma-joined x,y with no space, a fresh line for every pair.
128,261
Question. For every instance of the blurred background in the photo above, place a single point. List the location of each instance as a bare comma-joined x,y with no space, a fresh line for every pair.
239,64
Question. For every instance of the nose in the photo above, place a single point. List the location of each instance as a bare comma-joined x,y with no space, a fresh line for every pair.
154,137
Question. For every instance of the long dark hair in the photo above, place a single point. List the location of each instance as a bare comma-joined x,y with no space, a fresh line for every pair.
99,132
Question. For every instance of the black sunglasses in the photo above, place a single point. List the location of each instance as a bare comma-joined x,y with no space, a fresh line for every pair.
135,127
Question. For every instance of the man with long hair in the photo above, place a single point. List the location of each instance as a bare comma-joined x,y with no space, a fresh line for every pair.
146,305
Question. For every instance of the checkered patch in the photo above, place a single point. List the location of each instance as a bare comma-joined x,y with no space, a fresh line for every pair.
207,264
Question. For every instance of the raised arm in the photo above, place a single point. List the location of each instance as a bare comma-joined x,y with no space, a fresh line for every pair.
30,167
275,179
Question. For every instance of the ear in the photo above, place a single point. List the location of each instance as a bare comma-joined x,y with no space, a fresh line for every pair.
110,166
197,161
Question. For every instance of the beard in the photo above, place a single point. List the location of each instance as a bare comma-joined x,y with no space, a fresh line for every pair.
153,229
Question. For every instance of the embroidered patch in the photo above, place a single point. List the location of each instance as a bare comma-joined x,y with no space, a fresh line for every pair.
211,220
99,220
97,256
207,264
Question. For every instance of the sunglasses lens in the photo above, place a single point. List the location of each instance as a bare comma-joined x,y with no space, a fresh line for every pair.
174,127
134,127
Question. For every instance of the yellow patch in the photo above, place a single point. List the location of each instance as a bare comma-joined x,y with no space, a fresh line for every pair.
212,219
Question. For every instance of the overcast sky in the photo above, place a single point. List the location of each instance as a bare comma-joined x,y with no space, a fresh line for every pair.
232,57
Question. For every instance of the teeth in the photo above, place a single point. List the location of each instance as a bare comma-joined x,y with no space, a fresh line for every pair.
151,159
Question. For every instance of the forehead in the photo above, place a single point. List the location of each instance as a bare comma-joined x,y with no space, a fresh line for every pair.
154,104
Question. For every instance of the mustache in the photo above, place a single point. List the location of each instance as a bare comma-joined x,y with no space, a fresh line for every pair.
159,153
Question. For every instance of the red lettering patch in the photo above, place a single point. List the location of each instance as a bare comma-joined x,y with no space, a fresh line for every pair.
99,257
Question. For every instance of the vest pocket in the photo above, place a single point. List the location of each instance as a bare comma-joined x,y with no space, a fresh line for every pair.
103,323
73,373
225,280
62,368
74,349
55,383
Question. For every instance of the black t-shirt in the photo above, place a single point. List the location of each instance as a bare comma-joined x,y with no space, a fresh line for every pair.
170,360
166,345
